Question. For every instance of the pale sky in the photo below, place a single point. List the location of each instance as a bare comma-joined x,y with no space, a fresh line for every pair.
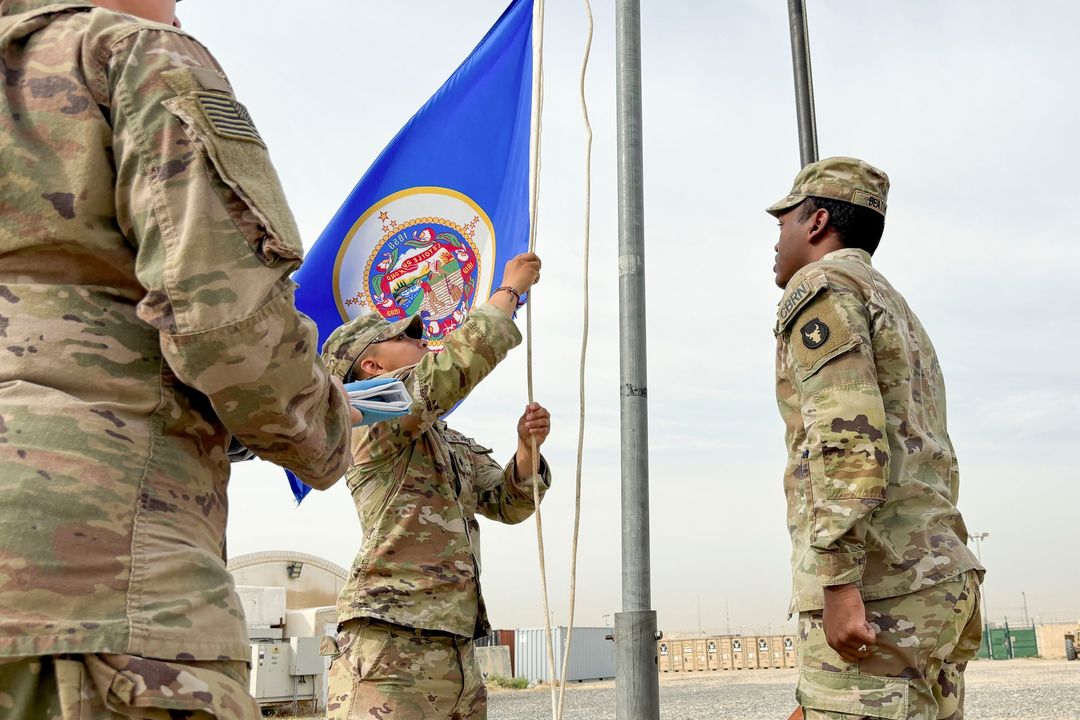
969,106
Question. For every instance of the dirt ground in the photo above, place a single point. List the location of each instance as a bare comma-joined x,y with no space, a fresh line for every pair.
997,690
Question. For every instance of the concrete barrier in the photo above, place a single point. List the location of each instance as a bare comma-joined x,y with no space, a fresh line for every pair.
494,660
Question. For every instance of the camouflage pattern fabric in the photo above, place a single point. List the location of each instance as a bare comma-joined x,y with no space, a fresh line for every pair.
103,687
389,672
871,479
846,179
147,318
418,486
914,672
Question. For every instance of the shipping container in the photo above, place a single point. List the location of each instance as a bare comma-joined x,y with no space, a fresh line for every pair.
688,656
750,649
791,656
712,646
727,660
675,648
776,652
663,655
592,655
738,652
701,655
755,655
764,646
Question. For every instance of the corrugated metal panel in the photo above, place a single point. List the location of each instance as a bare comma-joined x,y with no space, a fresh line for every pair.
592,656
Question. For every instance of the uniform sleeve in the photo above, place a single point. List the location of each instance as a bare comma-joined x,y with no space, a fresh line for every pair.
501,495
440,381
215,243
844,418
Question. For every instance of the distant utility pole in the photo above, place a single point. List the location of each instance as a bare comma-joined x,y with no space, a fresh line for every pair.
978,538
1027,620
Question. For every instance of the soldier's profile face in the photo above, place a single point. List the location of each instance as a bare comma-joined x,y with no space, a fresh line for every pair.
399,352
791,249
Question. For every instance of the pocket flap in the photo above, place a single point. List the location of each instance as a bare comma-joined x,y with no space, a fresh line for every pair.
139,686
853,694
328,646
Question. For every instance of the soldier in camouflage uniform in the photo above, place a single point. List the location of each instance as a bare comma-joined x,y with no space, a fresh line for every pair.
412,605
148,317
884,583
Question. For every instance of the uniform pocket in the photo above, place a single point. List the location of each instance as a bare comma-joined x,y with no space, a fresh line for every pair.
464,472
853,694
222,129
368,650
138,686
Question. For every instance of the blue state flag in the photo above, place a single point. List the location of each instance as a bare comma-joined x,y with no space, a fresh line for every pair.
430,225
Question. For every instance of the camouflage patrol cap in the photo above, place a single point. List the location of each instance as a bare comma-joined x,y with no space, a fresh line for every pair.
350,340
837,178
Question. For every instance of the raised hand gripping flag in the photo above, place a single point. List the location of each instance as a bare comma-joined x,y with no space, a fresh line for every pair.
430,225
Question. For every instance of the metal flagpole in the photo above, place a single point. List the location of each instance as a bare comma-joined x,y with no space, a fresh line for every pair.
637,689
804,82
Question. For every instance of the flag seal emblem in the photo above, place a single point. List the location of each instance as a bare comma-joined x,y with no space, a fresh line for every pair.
423,251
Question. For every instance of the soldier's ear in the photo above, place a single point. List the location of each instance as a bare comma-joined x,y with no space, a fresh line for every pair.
819,224
371,367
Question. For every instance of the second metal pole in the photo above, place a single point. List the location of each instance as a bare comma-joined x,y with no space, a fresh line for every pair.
804,82
637,690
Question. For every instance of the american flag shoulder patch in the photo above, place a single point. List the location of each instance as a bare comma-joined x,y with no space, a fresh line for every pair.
228,117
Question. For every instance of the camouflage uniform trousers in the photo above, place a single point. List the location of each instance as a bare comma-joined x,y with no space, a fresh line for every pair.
382,671
103,687
914,672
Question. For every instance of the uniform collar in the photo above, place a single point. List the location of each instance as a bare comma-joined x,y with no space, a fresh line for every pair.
848,254
18,7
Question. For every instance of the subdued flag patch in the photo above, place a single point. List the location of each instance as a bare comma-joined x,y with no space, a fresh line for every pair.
228,117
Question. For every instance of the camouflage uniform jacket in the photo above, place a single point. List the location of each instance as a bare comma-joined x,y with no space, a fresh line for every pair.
147,316
418,485
871,480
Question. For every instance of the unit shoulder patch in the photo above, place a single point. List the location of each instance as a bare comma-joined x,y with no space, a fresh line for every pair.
819,334
814,334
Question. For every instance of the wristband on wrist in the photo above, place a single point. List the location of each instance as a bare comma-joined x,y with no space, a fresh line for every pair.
511,290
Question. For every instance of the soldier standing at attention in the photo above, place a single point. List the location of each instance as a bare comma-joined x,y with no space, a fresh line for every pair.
884,583
412,605
147,317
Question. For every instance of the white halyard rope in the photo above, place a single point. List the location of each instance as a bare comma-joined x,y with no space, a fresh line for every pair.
534,190
557,701
584,349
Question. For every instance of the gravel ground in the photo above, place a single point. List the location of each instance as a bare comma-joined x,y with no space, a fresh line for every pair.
998,690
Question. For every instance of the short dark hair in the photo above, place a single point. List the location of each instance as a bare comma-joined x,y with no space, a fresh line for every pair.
859,227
